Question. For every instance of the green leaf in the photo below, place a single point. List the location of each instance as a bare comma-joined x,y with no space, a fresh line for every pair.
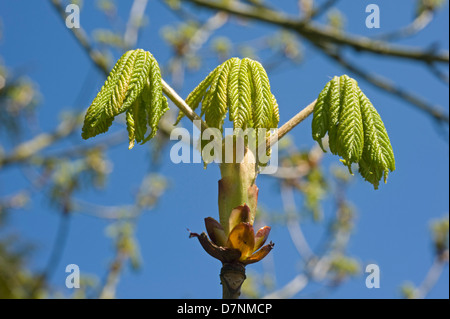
355,129
214,105
350,134
242,110
378,156
241,88
263,103
275,112
334,109
320,119
233,87
133,86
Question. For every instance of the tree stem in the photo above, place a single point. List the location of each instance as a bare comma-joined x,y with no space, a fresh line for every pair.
232,277
182,105
293,122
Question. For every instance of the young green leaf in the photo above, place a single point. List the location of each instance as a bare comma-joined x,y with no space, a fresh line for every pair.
378,156
133,86
355,129
350,134
320,119
241,88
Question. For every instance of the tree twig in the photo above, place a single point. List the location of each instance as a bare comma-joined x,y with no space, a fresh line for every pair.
293,122
315,12
417,25
24,151
432,276
320,33
297,284
293,225
80,35
182,105
134,22
112,279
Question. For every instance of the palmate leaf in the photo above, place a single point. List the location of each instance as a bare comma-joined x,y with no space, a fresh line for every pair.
355,129
133,86
241,88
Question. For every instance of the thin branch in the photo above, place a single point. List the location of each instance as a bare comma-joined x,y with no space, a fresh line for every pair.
418,24
134,22
293,172
438,73
206,30
29,148
432,276
105,212
179,12
103,143
320,33
293,287
80,35
318,11
112,279
182,105
59,245
198,39
293,225
293,122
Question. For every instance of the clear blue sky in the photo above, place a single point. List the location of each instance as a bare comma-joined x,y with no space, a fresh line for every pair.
392,229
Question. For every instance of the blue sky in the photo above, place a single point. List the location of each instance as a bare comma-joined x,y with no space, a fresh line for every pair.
392,229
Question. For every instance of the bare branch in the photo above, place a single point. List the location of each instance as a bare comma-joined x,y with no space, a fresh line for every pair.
293,225
29,148
419,23
112,278
432,276
315,32
206,30
293,122
290,289
315,12
80,35
134,22
182,105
